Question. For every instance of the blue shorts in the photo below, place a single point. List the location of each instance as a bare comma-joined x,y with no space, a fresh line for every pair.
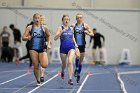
65,49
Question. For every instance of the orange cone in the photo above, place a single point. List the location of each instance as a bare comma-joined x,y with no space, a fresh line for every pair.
89,73
28,71
59,73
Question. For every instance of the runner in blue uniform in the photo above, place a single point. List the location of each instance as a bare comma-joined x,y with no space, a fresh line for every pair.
37,35
81,29
67,46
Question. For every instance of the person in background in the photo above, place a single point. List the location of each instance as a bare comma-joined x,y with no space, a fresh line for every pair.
4,37
97,43
6,50
27,49
17,42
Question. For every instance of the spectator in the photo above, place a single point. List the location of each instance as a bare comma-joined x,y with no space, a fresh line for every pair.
7,52
97,43
16,33
4,37
17,42
27,48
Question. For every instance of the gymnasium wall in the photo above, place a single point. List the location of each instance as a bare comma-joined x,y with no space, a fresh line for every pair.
67,3
120,27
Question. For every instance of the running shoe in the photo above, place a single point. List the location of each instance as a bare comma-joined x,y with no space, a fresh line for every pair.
41,79
75,72
78,78
70,82
62,75
38,83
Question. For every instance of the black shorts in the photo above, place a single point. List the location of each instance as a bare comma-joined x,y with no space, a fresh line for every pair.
81,48
5,44
39,50
97,45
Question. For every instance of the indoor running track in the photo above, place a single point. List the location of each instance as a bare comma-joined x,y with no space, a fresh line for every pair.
94,79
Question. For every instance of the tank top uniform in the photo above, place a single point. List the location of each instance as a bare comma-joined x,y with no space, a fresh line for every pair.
66,40
38,41
80,37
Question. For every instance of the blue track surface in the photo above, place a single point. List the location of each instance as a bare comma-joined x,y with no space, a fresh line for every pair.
102,79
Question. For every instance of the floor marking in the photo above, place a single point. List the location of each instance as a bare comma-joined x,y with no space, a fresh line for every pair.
82,84
43,83
13,79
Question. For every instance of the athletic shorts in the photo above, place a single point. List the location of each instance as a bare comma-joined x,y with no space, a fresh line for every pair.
66,49
96,45
39,50
81,48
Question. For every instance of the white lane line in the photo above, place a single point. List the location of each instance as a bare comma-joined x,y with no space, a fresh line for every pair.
82,90
6,75
13,79
19,89
43,83
67,89
23,87
129,72
101,90
122,86
100,73
85,72
82,84
121,83
19,71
